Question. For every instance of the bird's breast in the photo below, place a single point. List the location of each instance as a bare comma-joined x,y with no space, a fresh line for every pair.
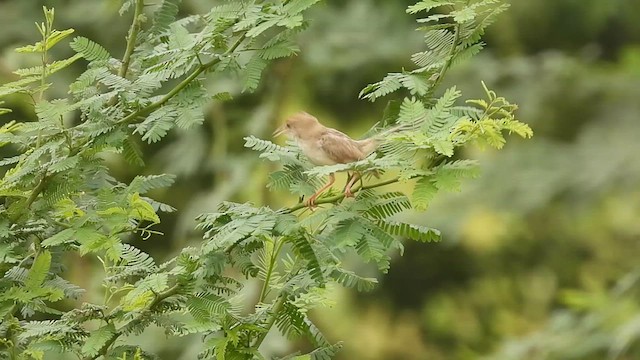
313,150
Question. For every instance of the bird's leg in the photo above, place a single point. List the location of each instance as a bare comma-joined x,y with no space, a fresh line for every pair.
349,176
347,190
312,200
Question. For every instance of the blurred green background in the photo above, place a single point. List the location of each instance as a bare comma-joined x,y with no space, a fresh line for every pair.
540,255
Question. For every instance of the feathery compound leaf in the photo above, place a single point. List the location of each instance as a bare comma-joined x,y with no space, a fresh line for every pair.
133,262
388,205
98,339
372,249
414,232
327,352
279,50
142,184
207,307
297,6
164,16
387,85
53,38
38,271
89,49
463,15
132,152
291,322
252,73
449,175
158,123
38,329
347,233
302,245
416,83
412,111
352,280
426,5
271,151
423,192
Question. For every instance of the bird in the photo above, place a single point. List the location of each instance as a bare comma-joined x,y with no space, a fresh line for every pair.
323,145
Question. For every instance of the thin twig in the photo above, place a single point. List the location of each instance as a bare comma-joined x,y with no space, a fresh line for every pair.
184,83
275,311
123,329
336,198
136,25
452,51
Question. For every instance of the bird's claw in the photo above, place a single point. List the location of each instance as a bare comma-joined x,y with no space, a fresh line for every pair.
311,203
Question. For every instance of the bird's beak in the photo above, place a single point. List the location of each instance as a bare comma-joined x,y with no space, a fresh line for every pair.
281,130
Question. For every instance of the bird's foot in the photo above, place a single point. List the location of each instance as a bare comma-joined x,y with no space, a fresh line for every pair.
348,193
311,202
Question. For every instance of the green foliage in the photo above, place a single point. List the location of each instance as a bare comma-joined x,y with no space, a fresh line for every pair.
59,197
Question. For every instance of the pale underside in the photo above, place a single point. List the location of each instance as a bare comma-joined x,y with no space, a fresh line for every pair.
334,147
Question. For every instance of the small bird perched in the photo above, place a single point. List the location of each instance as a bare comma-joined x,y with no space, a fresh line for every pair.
327,146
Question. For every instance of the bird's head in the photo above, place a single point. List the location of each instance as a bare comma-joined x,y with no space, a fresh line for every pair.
298,126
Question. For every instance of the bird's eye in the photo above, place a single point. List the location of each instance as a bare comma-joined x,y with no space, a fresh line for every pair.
288,125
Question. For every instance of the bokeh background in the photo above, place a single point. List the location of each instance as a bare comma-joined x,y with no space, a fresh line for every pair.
540,257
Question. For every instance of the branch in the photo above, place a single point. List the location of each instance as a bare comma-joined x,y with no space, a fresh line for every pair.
131,40
275,310
184,83
158,298
336,198
452,52
37,190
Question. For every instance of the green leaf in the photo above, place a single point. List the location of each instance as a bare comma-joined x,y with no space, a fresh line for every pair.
463,15
423,193
387,85
143,184
417,84
412,111
414,232
388,204
252,73
97,339
351,280
449,175
89,49
164,16
303,247
206,308
444,147
297,6
132,152
39,47
426,5
39,270
62,237
279,50
142,210
348,233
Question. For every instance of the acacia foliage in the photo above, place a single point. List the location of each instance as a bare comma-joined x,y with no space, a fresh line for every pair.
58,196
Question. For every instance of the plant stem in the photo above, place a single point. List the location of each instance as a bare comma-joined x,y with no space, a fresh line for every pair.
336,198
158,298
452,51
333,199
136,25
275,310
199,70
37,190
272,263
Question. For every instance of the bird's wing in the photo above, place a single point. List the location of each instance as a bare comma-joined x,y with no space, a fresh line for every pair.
339,147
